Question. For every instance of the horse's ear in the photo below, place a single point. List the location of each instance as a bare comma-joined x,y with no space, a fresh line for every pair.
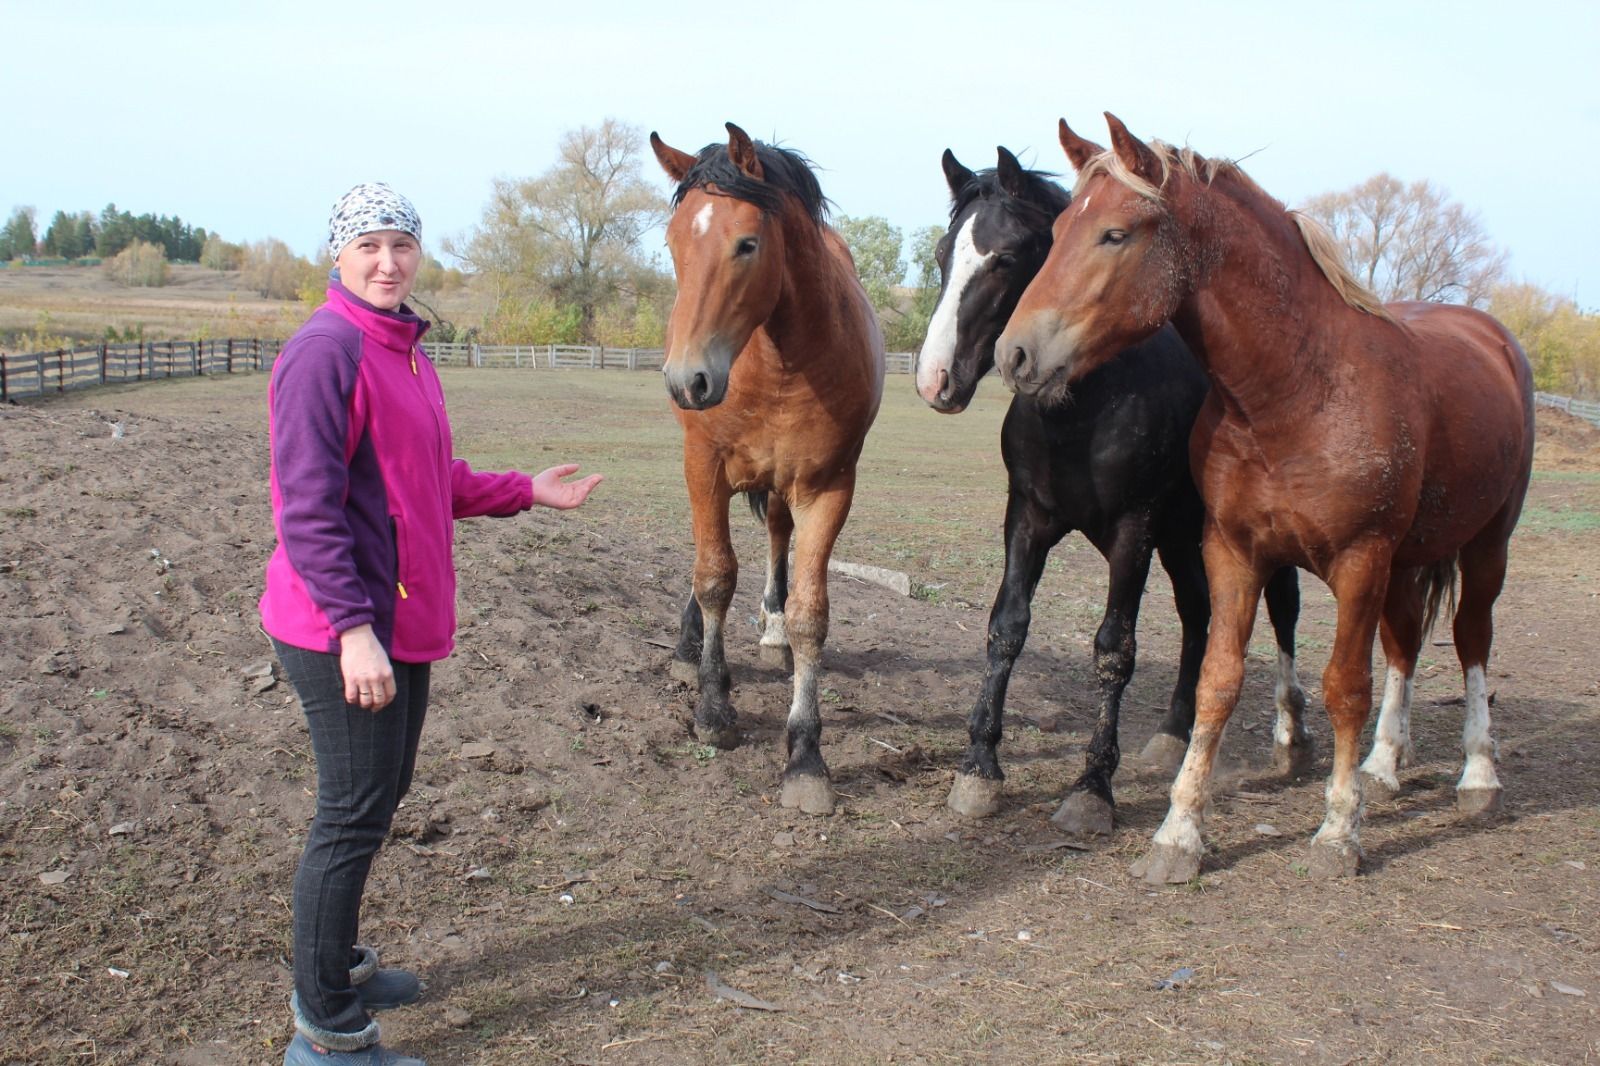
742,151
1079,151
1010,173
955,175
1134,153
674,162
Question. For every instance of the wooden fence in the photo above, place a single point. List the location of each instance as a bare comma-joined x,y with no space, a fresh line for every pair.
37,373
569,356
1589,412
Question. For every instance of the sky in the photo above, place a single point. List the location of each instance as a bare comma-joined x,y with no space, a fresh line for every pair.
252,119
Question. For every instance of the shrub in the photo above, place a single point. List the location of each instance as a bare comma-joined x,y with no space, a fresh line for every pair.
219,254
140,264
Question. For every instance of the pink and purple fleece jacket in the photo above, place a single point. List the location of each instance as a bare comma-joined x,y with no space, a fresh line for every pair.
365,489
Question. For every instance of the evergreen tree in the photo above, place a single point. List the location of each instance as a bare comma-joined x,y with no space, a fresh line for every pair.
18,238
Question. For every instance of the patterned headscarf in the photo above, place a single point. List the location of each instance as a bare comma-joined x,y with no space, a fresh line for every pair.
367,208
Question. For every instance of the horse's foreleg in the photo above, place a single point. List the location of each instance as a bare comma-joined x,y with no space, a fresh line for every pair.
1175,851
774,647
685,662
1401,632
1088,805
716,573
1359,578
805,778
1292,746
1182,561
1030,534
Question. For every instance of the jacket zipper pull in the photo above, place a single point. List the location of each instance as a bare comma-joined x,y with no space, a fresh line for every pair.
402,587
413,359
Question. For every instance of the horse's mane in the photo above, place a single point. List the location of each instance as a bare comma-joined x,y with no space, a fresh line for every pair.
1043,196
1325,251
785,171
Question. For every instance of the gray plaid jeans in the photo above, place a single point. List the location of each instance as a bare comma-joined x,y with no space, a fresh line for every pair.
364,765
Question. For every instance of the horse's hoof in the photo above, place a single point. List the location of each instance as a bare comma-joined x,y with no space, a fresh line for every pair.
973,796
1375,789
725,737
776,655
1083,814
812,795
1292,760
684,671
1165,752
1167,864
1478,802
1324,861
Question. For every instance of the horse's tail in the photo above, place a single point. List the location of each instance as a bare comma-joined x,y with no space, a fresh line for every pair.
1438,590
758,504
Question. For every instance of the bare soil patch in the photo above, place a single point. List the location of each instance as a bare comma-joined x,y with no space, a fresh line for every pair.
572,864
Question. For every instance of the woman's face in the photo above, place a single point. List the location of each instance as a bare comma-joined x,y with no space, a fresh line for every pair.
380,267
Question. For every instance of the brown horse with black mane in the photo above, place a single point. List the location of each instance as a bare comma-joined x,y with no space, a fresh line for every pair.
1382,447
775,363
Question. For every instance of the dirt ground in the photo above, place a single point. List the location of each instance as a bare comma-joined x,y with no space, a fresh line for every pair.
579,881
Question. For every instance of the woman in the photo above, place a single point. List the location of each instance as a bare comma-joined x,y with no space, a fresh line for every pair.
360,592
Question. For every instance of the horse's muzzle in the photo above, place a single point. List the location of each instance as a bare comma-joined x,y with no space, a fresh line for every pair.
696,388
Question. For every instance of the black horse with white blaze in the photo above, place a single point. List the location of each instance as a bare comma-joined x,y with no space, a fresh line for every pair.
1111,460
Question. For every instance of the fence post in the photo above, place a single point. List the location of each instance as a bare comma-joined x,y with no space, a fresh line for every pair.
5,387
61,370
102,363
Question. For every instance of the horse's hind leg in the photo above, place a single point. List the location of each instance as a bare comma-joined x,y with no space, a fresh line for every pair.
1292,746
774,647
1401,631
1030,534
1088,805
805,778
1483,574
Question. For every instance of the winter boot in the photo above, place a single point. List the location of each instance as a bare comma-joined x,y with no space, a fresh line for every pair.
303,1051
382,989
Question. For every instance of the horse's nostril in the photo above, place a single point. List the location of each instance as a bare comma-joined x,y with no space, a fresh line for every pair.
1019,359
699,387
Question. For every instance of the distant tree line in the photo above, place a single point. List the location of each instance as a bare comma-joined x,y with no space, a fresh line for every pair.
75,235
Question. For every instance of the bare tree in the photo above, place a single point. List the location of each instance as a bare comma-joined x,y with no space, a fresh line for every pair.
1409,242
572,233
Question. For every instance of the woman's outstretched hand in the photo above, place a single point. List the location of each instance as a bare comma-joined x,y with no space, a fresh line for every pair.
550,491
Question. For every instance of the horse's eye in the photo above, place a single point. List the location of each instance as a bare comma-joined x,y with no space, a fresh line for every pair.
1005,261
1113,236
746,246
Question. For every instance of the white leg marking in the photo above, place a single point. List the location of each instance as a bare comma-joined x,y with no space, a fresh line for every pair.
1190,791
939,348
1478,773
773,635
1391,740
1290,699
702,220
1343,822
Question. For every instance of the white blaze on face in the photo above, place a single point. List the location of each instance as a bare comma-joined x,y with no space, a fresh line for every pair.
702,220
939,349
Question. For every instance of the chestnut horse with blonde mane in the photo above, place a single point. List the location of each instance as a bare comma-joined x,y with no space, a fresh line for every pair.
1384,447
775,364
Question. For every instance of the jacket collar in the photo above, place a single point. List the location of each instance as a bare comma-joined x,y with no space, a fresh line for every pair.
396,330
